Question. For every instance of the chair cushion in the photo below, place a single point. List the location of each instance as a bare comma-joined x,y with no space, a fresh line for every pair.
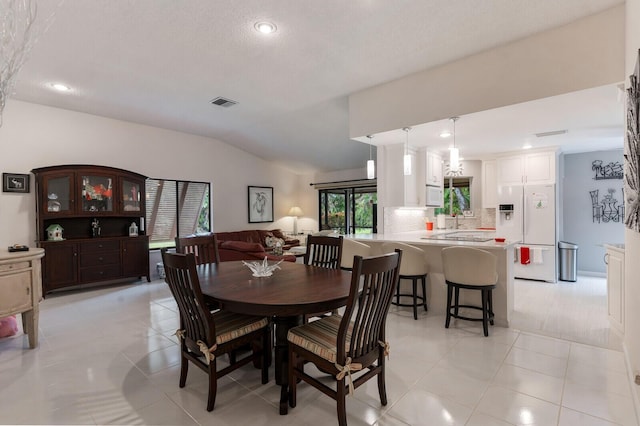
230,326
319,337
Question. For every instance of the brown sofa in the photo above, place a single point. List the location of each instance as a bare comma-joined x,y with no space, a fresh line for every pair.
253,245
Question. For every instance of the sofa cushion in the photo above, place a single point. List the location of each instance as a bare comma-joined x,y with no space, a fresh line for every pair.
242,246
249,236
278,234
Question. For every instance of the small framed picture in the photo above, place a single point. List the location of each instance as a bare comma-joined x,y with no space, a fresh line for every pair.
12,182
260,204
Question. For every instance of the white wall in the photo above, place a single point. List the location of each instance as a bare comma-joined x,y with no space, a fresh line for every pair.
632,238
36,136
583,54
579,226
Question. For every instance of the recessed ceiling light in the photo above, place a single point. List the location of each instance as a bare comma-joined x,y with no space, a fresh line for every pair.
265,27
60,87
445,134
526,146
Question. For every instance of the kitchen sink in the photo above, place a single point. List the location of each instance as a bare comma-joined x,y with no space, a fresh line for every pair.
477,237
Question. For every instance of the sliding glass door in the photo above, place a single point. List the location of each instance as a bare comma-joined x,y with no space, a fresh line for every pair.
349,210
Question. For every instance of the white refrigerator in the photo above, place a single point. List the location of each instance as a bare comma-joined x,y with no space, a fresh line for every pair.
528,214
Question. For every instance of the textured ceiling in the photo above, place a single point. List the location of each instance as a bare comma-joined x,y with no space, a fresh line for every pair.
160,62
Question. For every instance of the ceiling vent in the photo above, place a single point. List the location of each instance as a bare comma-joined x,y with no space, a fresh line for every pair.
554,133
223,102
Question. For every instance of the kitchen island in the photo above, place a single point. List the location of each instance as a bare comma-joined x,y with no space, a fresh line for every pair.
432,242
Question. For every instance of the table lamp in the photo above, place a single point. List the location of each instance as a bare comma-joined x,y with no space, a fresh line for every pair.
296,212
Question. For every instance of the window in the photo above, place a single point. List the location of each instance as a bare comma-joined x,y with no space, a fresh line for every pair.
176,208
457,195
349,210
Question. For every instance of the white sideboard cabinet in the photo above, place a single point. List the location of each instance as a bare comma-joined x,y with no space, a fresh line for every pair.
21,288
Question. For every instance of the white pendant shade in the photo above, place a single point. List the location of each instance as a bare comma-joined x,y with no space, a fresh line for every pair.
454,159
371,165
371,169
407,164
407,157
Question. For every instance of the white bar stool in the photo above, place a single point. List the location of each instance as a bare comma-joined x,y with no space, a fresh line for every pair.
351,248
413,267
471,269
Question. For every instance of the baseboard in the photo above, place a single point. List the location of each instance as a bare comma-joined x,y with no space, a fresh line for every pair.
592,274
632,382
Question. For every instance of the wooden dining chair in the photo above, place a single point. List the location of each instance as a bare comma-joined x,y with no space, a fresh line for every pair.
324,251
204,335
353,343
204,247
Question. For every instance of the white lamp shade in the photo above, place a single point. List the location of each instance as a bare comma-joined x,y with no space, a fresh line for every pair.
295,211
454,159
407,164
371,169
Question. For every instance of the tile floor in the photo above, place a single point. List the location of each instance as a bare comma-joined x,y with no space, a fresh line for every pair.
107,356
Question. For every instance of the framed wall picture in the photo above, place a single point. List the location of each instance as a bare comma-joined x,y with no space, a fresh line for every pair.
12,182
260,204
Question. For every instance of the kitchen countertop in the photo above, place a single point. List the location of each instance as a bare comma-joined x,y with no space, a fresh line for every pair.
616,247
422,237
437,289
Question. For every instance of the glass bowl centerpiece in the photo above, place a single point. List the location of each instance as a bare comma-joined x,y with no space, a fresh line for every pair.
262,269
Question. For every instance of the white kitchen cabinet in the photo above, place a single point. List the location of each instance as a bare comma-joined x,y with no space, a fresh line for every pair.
527,169
411,194
489,184
614,258
433,169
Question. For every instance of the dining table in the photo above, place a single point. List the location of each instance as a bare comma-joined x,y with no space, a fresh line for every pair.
290,292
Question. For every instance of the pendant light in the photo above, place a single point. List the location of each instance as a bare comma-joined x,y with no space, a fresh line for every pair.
407,157
371,165
454,153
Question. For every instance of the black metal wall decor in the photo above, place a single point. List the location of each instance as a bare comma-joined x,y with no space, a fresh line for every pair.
632,153
613,170
608,209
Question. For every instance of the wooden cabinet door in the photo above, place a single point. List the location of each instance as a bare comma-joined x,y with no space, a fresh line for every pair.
135,256
57,194
15,291
132,193
96,192
60,267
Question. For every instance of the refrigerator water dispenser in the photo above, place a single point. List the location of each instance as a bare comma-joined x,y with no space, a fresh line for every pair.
506,210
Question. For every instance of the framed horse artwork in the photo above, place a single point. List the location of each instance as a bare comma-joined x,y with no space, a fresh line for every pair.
12,182
260,204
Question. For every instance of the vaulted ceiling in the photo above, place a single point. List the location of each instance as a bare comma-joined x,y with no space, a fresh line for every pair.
161,62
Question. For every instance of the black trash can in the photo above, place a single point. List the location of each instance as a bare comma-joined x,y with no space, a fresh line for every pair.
568,259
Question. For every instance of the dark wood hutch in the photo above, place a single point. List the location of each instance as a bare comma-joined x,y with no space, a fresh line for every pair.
95,206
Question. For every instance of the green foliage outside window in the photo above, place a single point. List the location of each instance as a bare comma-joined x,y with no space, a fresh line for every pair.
461,200
338,202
